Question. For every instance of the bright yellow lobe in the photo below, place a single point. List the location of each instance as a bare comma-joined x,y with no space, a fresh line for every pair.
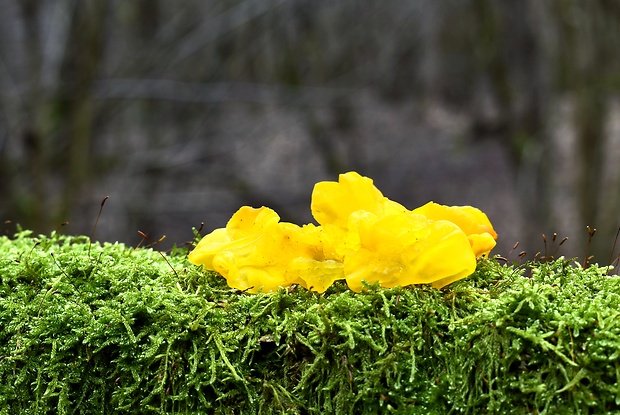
363,237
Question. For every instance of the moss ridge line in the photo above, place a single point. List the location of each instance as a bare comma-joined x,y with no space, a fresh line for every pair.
105,328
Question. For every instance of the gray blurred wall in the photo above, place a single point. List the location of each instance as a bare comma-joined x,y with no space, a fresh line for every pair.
181,112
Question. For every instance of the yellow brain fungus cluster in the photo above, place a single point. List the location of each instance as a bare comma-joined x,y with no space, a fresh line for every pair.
362,236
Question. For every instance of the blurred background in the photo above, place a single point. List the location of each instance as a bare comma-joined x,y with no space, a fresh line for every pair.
182,111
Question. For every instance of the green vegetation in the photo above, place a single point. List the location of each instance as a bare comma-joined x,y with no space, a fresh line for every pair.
111,329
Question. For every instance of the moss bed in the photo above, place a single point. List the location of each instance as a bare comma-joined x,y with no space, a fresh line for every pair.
111,329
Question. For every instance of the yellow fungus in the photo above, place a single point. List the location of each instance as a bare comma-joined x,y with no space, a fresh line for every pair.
362,236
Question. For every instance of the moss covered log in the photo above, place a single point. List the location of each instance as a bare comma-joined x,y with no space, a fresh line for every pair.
111,329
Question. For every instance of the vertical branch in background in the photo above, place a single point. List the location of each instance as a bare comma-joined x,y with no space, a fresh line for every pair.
145,18
605,74
591,102
34,131
508,54
33,46
488,47
528,139
581,66
83,66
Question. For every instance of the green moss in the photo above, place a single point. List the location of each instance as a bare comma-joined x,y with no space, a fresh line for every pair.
109,329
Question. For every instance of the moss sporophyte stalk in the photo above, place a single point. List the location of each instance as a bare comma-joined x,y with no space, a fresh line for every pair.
363,238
